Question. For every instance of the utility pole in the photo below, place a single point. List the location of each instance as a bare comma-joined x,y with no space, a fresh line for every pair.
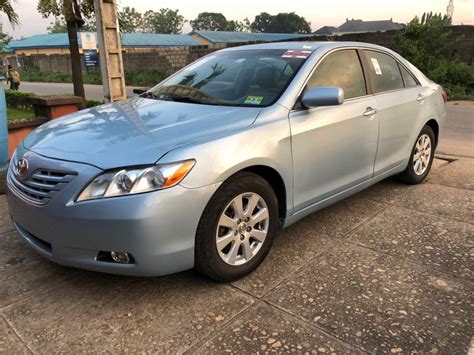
110,50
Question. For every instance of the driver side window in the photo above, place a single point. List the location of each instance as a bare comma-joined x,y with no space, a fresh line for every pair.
342,69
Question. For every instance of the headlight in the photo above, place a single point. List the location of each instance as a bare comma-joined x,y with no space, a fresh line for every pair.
135,181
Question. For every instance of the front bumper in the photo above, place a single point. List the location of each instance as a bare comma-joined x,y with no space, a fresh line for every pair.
157,228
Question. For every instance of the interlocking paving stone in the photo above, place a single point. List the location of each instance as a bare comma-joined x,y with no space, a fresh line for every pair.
9,342
381,303
6,224
432,198
267,329
293,248
342,217
99,312
23,272
434,241
459,173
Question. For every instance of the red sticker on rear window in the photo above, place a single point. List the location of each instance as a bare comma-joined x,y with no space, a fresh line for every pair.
296,53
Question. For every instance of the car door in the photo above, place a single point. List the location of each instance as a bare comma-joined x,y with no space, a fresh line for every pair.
334,147
400,100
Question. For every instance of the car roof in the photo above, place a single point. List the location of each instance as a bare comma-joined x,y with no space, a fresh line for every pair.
306,45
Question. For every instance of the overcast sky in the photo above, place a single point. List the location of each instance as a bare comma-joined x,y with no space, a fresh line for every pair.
318,12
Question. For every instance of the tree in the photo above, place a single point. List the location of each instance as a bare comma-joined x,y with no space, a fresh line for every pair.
4,41
281,23
59,25
238,26
130,20
429,45
7,8
163,21
210,21
73,15
262,22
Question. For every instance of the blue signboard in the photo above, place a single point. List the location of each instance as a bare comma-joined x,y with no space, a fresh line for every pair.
91,58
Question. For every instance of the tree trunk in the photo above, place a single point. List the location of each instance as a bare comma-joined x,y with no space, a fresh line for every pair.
76,62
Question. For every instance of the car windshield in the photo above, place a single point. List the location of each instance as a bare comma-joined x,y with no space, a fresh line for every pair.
233,78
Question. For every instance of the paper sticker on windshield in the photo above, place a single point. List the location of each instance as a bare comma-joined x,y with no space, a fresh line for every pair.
376,65
253,100
296,53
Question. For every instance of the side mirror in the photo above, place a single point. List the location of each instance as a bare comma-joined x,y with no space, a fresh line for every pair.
323,96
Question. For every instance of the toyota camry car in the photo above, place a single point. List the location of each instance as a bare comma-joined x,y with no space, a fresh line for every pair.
205,168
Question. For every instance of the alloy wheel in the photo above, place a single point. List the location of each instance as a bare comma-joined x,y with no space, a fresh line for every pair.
242,228
422,155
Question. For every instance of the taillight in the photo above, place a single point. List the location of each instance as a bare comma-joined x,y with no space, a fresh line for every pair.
445,96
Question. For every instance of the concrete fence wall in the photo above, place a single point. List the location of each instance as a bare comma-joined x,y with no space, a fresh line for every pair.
169,60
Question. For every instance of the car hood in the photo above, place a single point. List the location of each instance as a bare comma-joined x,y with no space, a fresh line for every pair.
135,131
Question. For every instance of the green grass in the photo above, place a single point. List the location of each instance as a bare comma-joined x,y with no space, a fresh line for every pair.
16,115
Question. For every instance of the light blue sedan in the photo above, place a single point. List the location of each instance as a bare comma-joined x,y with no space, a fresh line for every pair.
205,168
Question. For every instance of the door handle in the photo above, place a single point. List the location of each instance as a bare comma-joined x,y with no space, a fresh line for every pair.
369,112
420,98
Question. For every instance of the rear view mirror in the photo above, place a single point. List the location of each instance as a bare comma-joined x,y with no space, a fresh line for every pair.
323,96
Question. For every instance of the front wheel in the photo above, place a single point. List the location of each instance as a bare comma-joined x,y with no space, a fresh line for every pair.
421,158
237,228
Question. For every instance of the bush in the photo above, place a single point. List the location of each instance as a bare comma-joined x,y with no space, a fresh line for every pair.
428,44
146,78
93,103
19,100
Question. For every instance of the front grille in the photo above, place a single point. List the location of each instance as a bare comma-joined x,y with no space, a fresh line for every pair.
41,186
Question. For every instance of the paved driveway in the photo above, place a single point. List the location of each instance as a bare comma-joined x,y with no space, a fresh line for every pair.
388,270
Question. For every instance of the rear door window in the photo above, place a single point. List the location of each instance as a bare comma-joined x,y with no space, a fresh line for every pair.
385,72
342,69
408,78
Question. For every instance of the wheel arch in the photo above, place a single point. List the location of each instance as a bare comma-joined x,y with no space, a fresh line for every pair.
433,124
277,183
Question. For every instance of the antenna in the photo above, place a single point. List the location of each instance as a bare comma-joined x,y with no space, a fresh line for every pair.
450,9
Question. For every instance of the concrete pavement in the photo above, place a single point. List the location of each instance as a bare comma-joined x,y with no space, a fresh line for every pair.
389,270
93,92
458,138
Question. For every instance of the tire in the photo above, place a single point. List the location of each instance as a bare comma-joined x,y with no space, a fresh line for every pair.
220,222
415,174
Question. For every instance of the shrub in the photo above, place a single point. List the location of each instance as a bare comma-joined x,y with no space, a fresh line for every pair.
19,100
146,78
141,77
428,44
93,103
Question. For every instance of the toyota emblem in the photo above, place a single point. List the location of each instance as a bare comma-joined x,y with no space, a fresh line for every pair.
22,167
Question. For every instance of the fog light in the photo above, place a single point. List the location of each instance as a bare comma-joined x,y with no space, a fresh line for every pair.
120,257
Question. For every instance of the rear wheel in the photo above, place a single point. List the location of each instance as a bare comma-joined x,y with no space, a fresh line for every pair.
237,228
421,158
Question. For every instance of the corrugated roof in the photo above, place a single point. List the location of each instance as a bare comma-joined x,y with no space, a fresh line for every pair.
60,40
233,37
153,39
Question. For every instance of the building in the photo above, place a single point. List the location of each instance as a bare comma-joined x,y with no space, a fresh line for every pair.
58,43
221,39
359,26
